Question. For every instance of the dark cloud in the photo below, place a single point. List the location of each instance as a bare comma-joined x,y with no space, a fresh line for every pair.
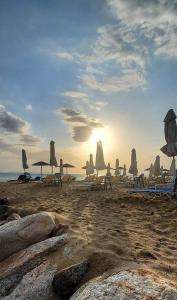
81,133
10,122
28,138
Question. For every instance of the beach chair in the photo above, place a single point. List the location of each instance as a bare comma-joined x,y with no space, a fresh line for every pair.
49,180
157,191
58,179
67,179
108,182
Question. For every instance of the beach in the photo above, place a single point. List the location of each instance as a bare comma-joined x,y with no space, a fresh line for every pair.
112,229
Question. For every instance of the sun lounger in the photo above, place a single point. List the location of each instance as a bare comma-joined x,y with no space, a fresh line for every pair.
154,192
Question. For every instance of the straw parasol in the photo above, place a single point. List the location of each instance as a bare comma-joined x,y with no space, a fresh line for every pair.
133,167
24,160
41,164
53,160
172,171
99,164
68,166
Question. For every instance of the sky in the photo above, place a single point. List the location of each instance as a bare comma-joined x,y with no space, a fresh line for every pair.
78,71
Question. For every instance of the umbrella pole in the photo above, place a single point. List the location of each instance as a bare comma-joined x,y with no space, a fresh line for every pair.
41,172
24,171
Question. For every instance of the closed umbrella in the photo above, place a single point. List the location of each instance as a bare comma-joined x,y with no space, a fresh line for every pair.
24,160
124,171
170,149
151,171
172,171
117,170
53,160
133,167
87,168
61,166
157,171
41,164
108,173
91,164
99,164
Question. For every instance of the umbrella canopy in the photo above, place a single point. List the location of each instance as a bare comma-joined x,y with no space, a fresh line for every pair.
67,166
61,166
87,168
24,160
170,149
99,164
53,160
41,164
91,164
172,171
108,173
133,167
157,170
124,171
117,169
151,170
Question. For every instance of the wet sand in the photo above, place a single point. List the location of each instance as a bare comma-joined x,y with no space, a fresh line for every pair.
112,228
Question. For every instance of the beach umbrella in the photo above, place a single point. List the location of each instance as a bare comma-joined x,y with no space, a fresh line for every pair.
99,164
61,166
124,171
151,170
108,173
161,170
172,171
24,160
117,169
53,160
170,149
87,168
157,171
68,166
41,164
133,167
91,164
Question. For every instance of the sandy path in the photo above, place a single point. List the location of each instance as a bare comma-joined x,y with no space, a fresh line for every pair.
116,228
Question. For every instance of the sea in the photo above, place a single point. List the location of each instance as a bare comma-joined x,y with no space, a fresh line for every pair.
4,177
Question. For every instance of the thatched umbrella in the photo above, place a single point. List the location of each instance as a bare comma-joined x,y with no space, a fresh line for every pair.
68,166
41,164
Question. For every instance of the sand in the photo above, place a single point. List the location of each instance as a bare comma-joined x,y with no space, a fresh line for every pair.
112,229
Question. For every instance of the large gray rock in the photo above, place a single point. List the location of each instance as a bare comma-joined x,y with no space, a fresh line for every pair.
66,281
35,285
17,235
135,284
16,266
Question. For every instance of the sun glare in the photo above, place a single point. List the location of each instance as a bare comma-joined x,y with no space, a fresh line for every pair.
98,134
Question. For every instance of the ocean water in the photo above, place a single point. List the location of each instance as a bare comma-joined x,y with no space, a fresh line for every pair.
13,176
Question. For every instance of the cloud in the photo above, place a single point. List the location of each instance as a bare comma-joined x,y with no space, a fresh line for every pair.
28,107
85,124
74,94
128,80
11,122
64,55
81,133
29,139
7,147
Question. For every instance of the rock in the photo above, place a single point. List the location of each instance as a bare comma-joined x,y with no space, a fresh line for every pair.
35,285
3,209
4,201
65,282
16,266
133,284
60,229
12,217
17,235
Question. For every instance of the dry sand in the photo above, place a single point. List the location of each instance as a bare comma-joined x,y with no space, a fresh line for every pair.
112,228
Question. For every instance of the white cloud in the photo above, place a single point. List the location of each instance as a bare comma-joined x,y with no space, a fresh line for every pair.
74,94
28,107
64,55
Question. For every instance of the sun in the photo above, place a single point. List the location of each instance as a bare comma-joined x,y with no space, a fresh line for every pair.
98,134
